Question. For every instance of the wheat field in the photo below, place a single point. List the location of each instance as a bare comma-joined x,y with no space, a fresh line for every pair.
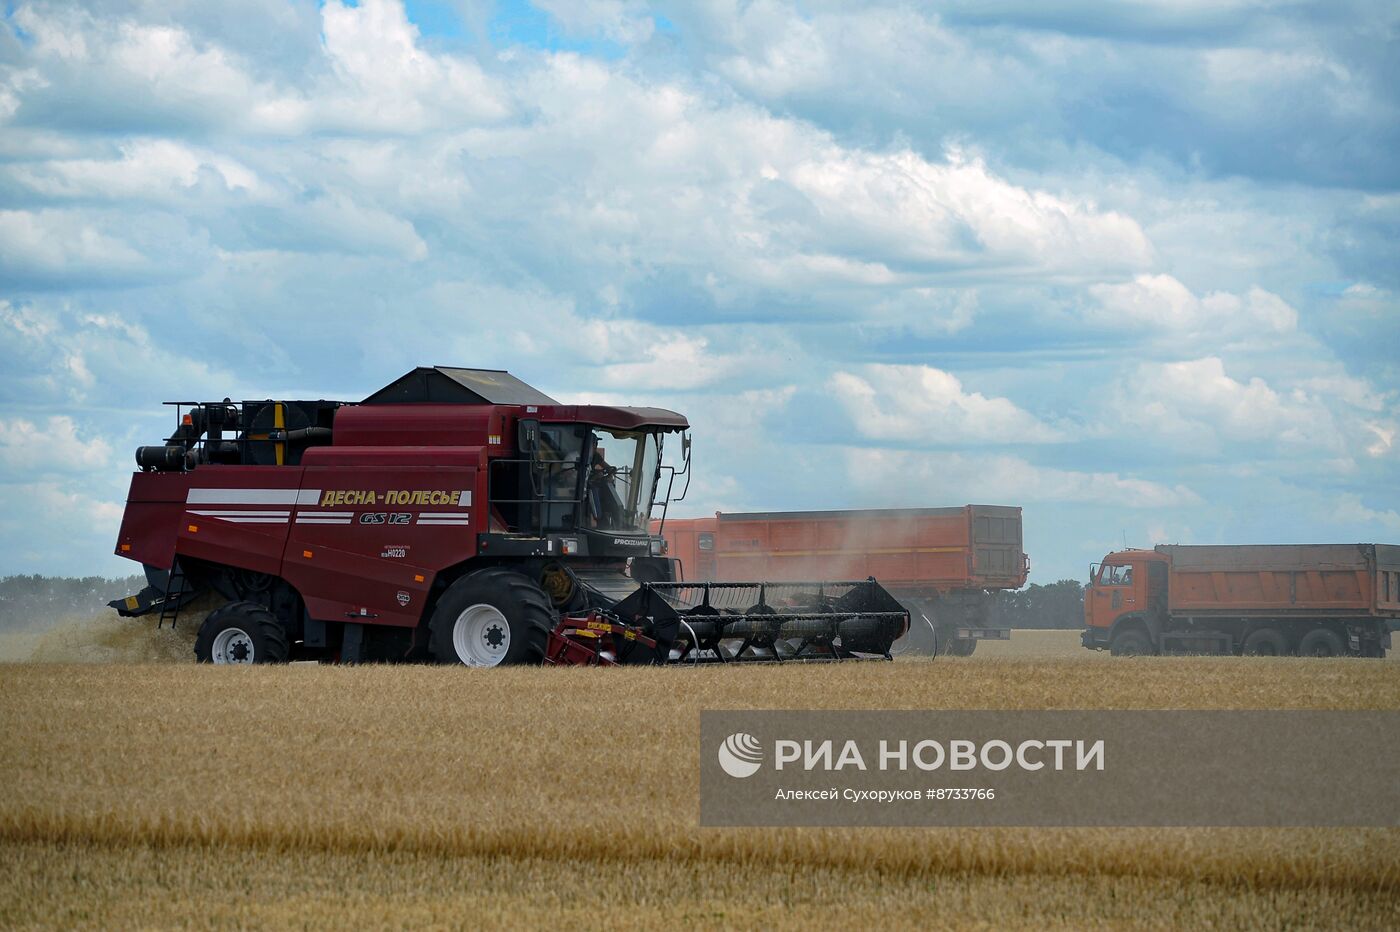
315,796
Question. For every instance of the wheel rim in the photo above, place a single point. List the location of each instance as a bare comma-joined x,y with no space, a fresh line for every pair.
232,645
481,636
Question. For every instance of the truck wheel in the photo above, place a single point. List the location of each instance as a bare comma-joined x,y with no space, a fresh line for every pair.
943,641
489,618
920,640
241,632
1321,642
1131,642
1265,642
961,647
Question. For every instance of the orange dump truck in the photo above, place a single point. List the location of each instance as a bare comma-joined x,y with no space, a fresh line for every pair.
942,564
1319,600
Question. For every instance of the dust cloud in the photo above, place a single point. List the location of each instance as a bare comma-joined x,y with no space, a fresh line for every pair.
103,636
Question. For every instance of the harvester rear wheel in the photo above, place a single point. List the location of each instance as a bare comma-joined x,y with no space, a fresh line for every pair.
241,632
491,618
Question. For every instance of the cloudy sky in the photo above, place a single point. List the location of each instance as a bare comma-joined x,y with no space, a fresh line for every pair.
1136,270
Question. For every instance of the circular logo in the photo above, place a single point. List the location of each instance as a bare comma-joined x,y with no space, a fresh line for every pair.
740,755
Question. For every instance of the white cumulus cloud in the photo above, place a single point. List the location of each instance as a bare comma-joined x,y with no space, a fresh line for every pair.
924,405
51,446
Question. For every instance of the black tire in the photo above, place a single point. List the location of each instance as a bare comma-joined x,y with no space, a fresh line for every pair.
1130,642
1322,642
241,632
1265,642
961,647
921,640
517,601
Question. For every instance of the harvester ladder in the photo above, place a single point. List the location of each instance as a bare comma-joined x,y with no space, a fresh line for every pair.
174,595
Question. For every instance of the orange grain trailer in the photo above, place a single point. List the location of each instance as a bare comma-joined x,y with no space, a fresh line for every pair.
943,564
1319,600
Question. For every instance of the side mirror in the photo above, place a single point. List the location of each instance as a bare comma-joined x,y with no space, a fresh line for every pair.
527,436
685,467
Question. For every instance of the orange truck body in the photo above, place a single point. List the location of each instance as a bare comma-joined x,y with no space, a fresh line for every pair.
941,562
1212,598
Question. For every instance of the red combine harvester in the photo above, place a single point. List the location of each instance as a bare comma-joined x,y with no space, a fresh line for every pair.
943,564
458,515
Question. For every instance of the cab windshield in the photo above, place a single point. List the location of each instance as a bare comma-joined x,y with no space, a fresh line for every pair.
622,472
1112,575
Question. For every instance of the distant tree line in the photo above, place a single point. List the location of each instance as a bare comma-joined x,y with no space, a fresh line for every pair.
31,600
1056,605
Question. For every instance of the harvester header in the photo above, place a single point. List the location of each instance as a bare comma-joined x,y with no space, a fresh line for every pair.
455,514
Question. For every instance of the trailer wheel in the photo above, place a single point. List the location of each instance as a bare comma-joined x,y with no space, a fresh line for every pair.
1130,642
241,632
1321,642
1265,642
491,618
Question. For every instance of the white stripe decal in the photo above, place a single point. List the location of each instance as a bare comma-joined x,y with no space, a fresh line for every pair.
325,514
246,513
308,496
242,496
253,520
442,514
440,522
308,519
464,498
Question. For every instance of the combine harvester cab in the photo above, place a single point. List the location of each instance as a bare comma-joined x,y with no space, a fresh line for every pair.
458,515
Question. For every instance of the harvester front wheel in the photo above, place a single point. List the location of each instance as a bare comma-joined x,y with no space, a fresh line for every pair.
241,632
491,618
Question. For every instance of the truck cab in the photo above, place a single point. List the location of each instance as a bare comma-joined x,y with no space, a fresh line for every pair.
1124,600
